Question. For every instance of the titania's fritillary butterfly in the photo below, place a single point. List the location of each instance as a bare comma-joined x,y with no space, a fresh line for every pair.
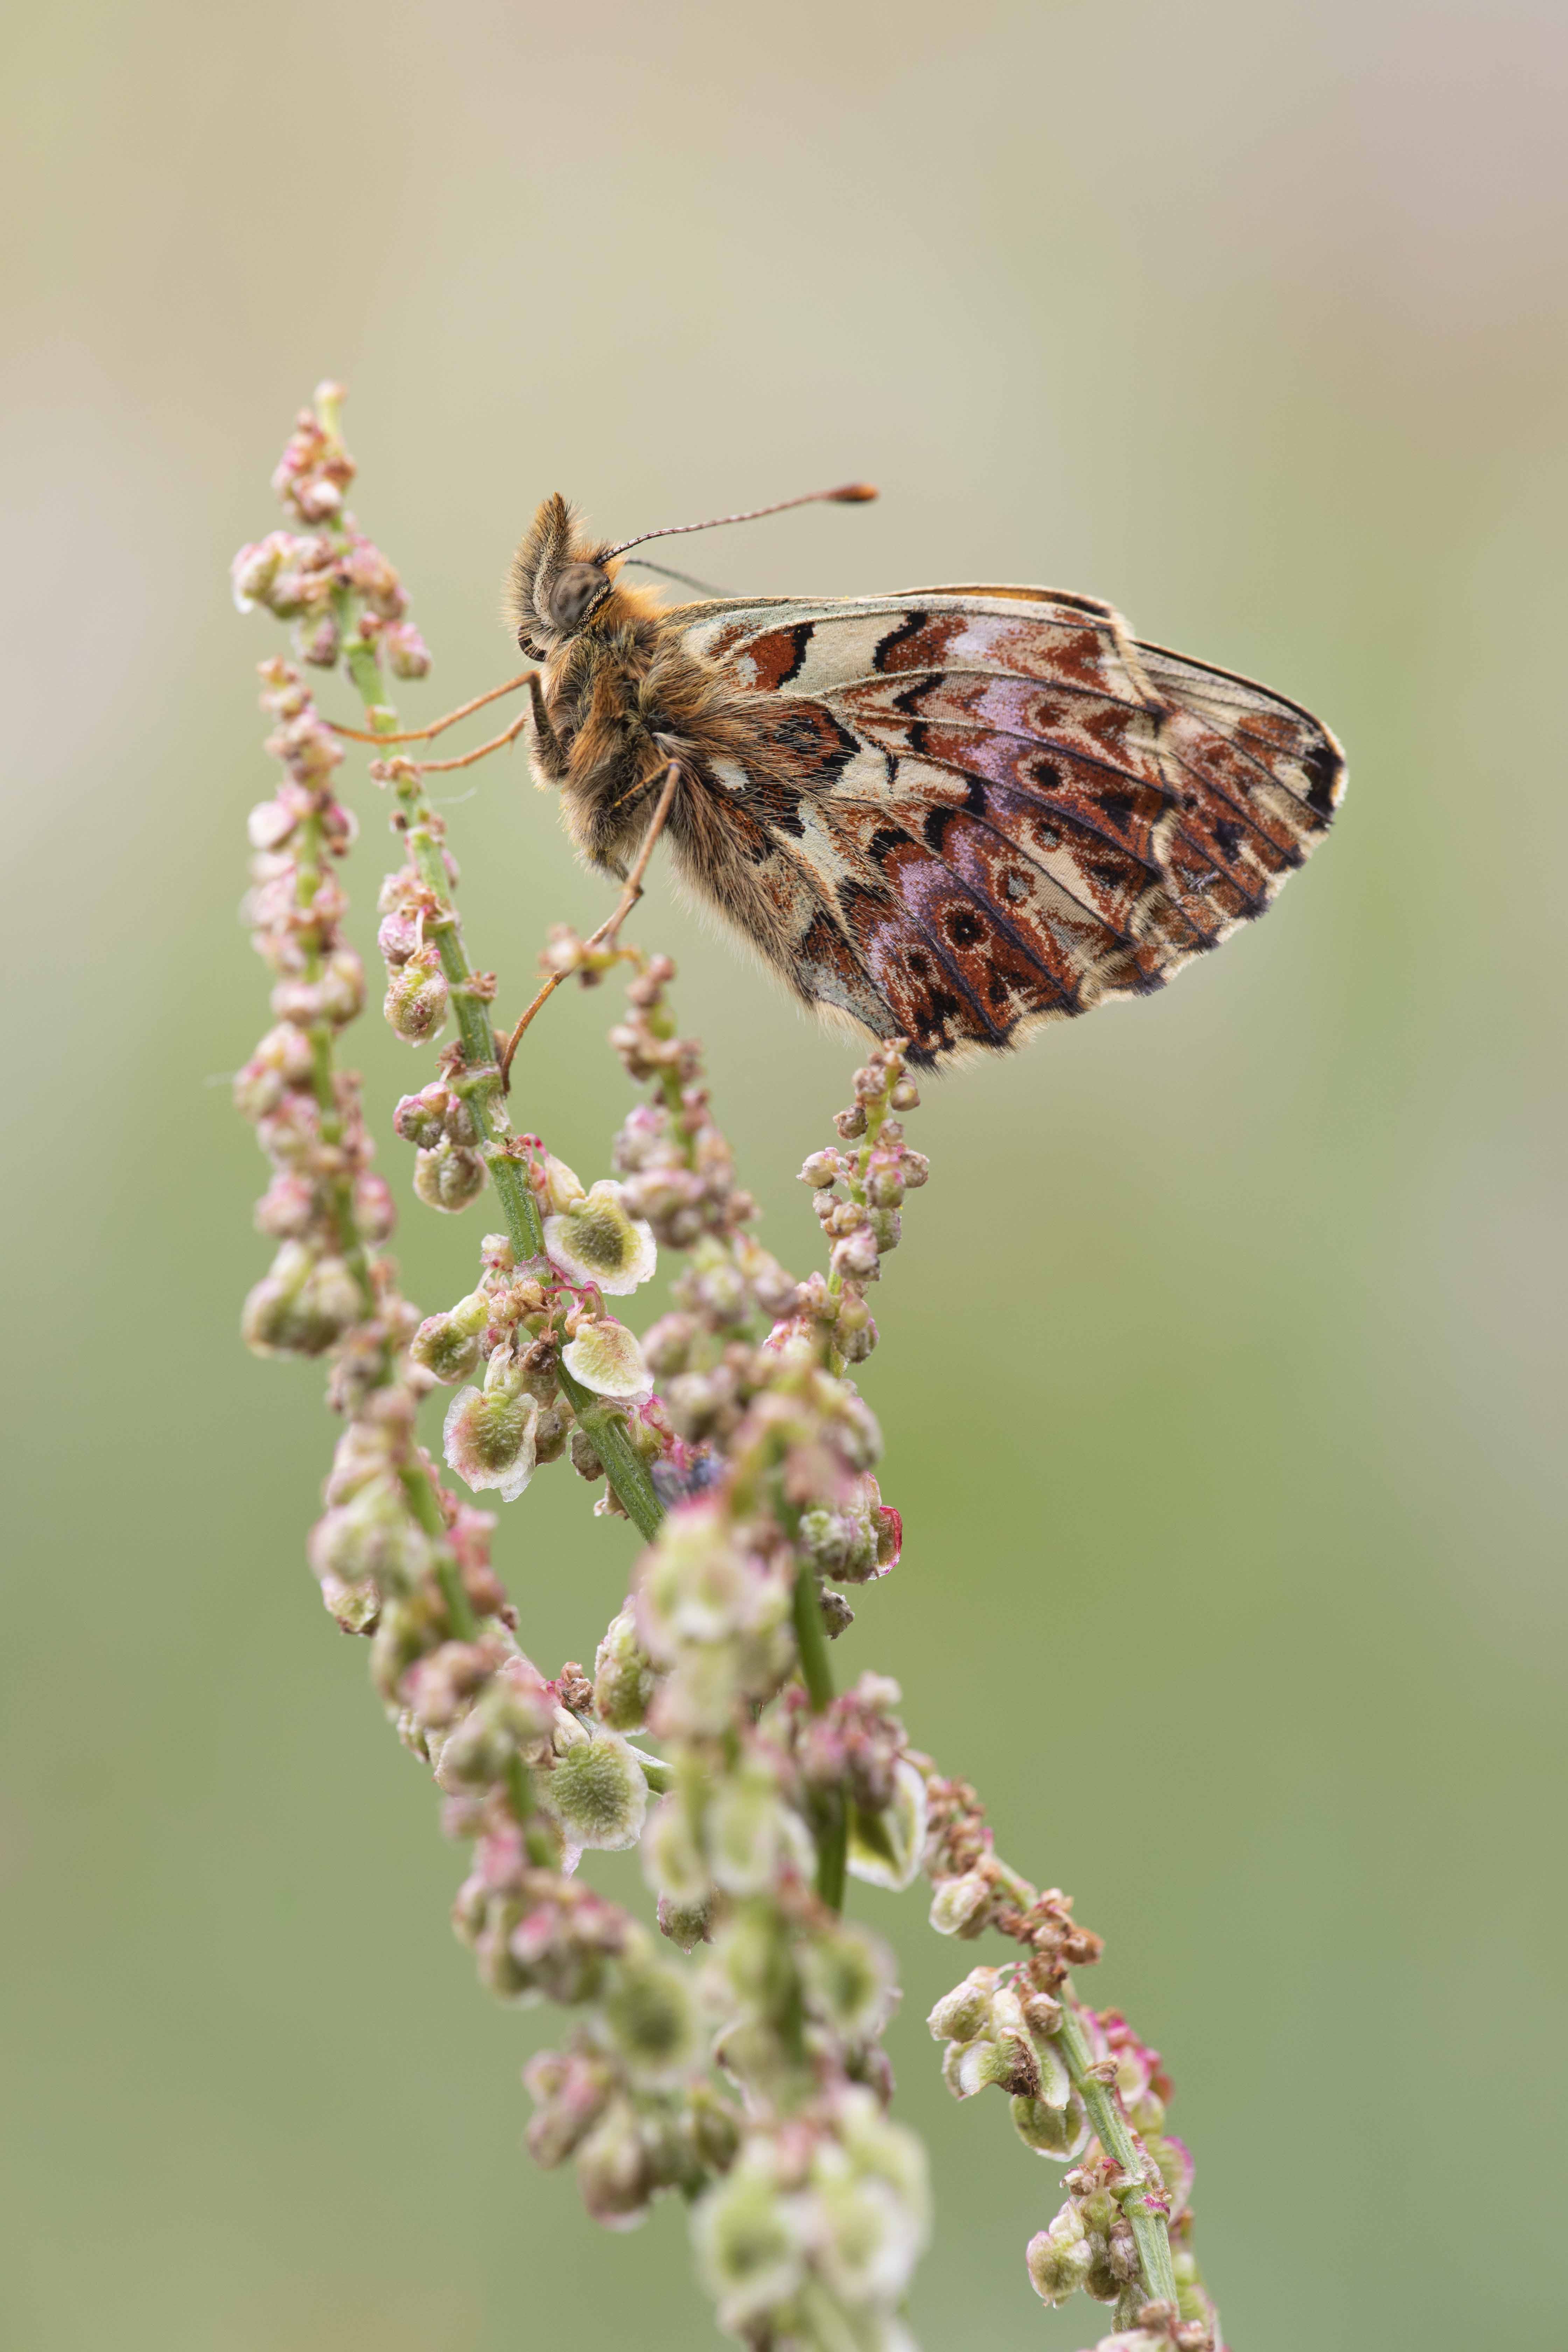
945,814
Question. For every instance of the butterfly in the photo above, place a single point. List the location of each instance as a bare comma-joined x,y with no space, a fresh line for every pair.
950,814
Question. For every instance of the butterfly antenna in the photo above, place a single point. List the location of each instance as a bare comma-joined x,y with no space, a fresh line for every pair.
684,578
848,494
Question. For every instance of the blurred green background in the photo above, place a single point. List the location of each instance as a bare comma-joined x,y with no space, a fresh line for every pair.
1222,1363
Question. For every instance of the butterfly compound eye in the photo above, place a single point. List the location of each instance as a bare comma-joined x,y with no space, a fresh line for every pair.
575,594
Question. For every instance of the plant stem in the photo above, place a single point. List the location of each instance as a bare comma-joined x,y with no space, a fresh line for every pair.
816,1673
1150,2233
606,1428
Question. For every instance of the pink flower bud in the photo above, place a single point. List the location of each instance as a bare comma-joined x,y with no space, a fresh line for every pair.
571,2093
1058,2258
405,650
374,1210
400,934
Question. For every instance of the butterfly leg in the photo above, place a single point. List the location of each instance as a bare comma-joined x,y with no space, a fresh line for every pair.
605,934
546,742
439,726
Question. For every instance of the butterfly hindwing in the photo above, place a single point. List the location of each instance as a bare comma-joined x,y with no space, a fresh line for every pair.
995,808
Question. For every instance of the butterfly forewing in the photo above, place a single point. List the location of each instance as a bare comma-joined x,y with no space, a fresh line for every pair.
993,807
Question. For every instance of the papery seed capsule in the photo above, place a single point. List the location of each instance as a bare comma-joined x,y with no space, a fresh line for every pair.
1058,2131
597,1793
606,1357
488,1435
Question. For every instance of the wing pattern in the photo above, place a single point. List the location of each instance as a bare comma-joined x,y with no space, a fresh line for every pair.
977,810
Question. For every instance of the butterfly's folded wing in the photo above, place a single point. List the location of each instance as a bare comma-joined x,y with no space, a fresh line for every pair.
1005,809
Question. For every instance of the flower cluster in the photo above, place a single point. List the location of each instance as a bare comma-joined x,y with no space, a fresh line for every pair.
311,577
324,1201
739,2061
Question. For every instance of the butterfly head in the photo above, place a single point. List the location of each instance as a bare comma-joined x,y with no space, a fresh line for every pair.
559,581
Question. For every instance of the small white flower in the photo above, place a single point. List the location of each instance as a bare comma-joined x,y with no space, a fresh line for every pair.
592,1238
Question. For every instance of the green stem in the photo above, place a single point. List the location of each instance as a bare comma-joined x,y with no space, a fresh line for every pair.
1150,2233
811,1640
605,1427
816,1673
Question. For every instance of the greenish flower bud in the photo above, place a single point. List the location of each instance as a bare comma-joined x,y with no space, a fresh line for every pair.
652,2019
688,1924
372,1534
840,1544
421,1119
488,1436
449,1177
613,2172
885,1848
959,1905
417,998
712,2128
302,1306
447,1345
886,1229
550,1431
605,1357
585,1460
355,1607
625,1678
597,1793
594,1240
561,1187
964,2013
666,1345
1058,2258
